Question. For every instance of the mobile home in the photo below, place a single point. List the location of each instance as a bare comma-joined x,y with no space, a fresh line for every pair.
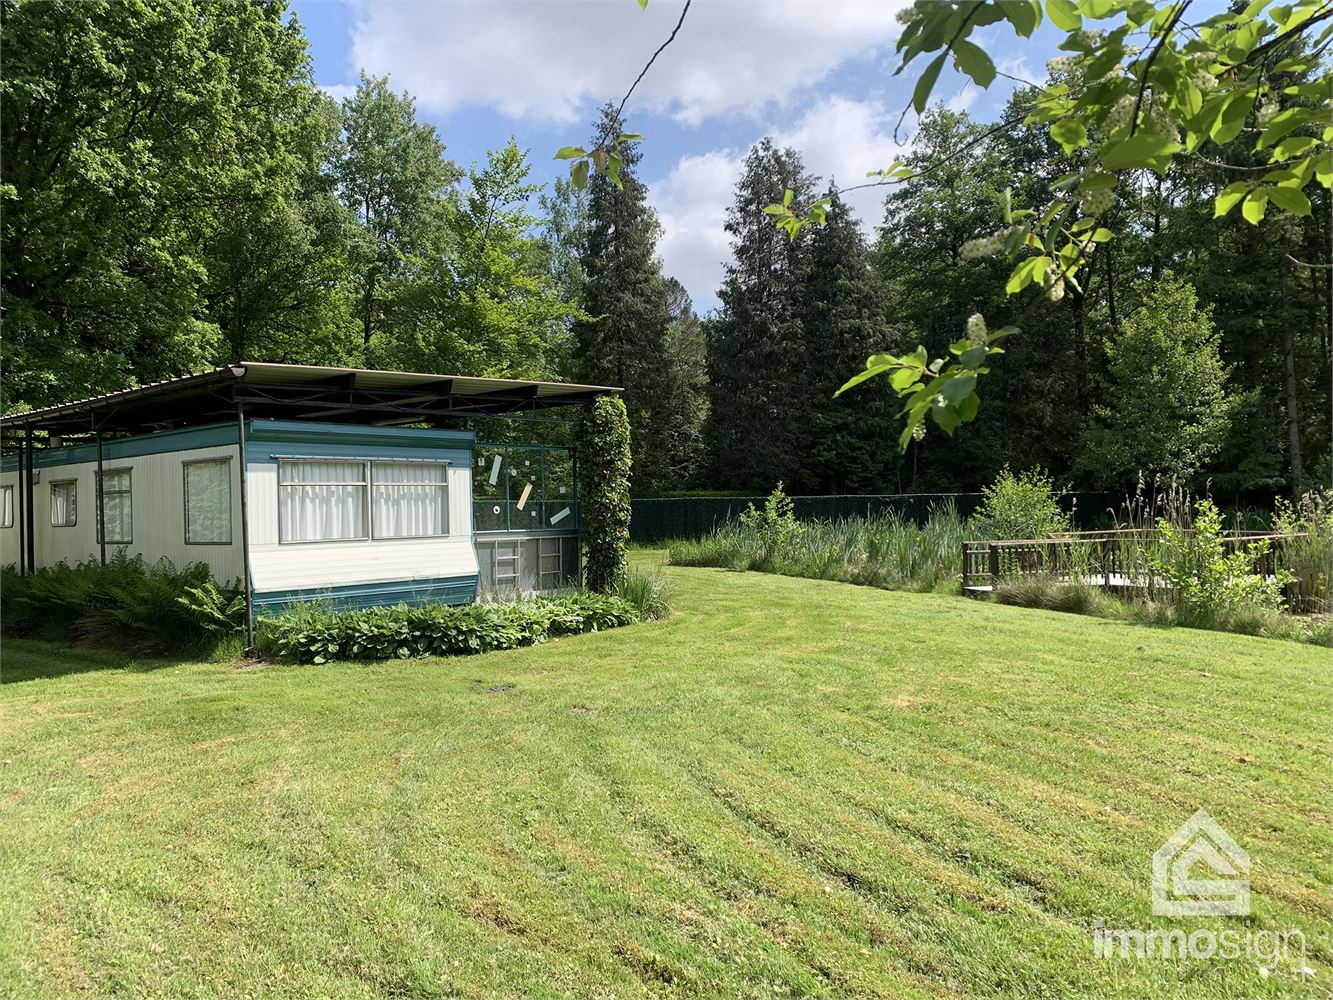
301,482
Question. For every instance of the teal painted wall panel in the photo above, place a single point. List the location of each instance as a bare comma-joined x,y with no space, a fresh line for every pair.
446,590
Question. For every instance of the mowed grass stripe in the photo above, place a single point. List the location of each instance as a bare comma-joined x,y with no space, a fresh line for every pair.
791,788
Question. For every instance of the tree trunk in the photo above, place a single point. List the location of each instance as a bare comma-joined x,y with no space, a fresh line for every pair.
1293,426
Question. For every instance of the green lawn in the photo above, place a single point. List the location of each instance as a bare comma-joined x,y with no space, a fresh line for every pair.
791,788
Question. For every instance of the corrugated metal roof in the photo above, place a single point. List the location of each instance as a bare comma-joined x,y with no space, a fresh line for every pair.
295,391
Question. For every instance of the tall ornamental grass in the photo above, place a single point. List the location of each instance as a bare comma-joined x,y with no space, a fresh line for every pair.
883,550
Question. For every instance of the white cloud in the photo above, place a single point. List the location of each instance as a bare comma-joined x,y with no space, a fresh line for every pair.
338,91
691,204
839,138
966,97
546,59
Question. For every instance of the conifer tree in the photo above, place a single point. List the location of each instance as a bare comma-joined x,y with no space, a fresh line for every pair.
755,347
842,322
622,341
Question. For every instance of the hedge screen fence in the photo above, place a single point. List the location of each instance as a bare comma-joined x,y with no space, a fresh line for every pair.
659,519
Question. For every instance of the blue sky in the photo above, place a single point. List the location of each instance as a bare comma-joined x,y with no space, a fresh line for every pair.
815,74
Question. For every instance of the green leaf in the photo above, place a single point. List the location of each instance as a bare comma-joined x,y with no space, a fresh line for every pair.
903,378
956,388
974,357
1026,273
1229,198
579,174
643,4
968,406
1141,150
1064,15
630,137
946,416
1024,15
973,61
1069,133
860,377
921,95
570,153
1254,208
1289,199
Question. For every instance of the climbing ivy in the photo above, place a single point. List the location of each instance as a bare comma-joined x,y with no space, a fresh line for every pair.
604,464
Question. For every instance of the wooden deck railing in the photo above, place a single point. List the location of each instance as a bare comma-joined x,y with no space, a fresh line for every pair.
1107,559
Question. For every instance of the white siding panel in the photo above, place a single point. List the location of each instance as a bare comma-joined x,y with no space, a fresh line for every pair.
314,565
157,491
9,537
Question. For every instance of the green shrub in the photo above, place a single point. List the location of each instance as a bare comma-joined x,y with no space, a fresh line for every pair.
1026,505
1212,586
126,604
648,593
773,527
309,635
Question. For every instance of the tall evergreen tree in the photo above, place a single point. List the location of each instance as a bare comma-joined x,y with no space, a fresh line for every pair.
755,346
687,386
842,312
623,339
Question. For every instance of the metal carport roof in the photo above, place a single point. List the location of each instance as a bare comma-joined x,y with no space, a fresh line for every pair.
300,392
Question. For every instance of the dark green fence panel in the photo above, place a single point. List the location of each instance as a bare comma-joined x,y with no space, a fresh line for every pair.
659,519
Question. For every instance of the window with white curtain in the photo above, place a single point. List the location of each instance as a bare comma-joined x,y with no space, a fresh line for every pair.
6,506
411,499
65,503
321,500
208,502
117,525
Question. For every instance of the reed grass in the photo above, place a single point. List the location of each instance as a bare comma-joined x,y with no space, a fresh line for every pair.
884,550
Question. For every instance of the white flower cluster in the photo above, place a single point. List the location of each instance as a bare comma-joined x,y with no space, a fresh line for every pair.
976,328
1267,112
1204,80
919,432
1159,122
1096,201
1061,64
1120,114
1131,51
904,15
1055,289
1090,39
984,246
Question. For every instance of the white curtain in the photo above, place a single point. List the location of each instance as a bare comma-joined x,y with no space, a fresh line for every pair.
322,501
411,499
64,504
117,523
208,502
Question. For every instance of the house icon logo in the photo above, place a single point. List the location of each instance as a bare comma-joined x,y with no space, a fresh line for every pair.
1177,893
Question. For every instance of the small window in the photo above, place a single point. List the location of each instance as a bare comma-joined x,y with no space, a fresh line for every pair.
65,503
411,499
322,500
117,516
6,506
208,502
